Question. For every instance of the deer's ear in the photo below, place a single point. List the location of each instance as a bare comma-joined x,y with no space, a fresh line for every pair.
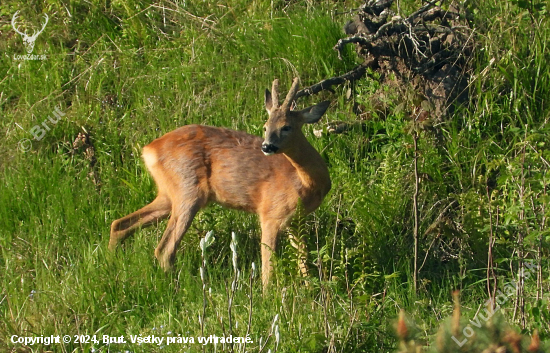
268,101
314,113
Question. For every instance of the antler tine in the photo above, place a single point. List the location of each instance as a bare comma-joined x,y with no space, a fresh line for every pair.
45,23
36,33
290,95
275,93
13,19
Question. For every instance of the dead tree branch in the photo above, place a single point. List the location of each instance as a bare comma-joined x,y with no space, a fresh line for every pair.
326,85
428,48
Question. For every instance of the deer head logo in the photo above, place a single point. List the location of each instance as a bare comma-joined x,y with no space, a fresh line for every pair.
28,41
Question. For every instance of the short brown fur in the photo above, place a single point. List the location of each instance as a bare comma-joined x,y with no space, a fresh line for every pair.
197,164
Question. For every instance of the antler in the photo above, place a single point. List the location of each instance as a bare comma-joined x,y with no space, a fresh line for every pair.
25,36
35,34
290,95
13,24
275,93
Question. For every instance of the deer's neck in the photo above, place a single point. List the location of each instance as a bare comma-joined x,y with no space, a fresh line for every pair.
312,171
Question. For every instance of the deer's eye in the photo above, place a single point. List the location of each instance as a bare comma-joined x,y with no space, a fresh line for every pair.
286,128
265,129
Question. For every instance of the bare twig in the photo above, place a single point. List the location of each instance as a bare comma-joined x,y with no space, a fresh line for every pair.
491,275
415,210
354,75
539,244
231,294
420,10
249,326
334,240
376,7
348,12
357,39
271,331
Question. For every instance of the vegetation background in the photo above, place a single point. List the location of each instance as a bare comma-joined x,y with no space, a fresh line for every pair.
126,72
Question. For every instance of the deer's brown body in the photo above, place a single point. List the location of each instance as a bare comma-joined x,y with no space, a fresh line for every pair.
197,164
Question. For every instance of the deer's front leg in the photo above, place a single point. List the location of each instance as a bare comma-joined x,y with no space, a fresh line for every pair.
270,232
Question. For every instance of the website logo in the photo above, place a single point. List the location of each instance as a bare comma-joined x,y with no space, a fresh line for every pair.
28,41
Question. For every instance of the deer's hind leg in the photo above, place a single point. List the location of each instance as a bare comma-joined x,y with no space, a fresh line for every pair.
124,227
182,216
183,176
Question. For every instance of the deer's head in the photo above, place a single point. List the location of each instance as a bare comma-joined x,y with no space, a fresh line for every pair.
28,41
284,126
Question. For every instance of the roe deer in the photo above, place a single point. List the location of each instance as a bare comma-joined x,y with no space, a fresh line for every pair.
196,164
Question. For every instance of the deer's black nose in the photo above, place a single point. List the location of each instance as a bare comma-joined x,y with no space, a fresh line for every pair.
268,149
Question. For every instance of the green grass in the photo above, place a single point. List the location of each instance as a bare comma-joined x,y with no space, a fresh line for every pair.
128,72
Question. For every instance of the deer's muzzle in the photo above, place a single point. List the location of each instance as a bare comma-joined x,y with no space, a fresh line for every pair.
269,149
